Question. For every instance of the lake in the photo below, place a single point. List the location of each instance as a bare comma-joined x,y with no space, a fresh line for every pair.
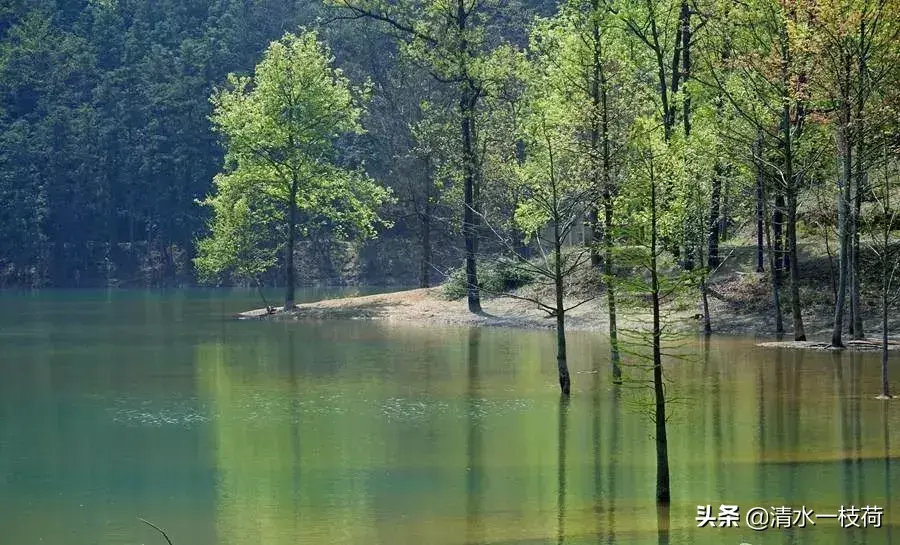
122,405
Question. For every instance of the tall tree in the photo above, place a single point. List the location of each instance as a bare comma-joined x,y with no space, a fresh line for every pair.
449,38
279,127
855,41
767,86
592,77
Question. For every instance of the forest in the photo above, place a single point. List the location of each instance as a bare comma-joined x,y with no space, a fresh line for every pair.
629,148
781,114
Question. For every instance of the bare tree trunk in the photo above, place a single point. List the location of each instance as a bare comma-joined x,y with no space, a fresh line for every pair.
615,359
760,221
427,256
778,230
760,209
774,272
855,298
598,103
843,209
600,147
886,278
467,101
593,242
714,212
791,190
724,213
885,288
663,494
796,309
861,179
291,242
565,381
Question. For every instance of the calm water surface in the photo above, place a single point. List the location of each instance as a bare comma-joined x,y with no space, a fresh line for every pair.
121,405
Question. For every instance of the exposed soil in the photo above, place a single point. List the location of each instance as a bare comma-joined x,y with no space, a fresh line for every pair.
740,304
428,307
735,306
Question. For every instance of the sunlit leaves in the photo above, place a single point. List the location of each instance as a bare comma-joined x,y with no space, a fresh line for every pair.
279,128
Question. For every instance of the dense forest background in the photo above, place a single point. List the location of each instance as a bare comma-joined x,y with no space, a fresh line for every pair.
107,148
106,145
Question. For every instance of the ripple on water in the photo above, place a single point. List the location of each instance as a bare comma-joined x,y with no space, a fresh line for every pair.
139,413
266,409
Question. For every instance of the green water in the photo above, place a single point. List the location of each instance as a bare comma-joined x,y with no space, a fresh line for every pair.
121,405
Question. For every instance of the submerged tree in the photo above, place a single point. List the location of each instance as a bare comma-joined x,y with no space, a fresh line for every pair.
279,128
590,75
885,224
552,205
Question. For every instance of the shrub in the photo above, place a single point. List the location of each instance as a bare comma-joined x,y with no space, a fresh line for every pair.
495,276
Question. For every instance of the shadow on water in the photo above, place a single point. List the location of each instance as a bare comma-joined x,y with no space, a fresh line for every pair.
885,429
605,503
715,376
296,467
474,531
561,470
612,473
761,481
663,520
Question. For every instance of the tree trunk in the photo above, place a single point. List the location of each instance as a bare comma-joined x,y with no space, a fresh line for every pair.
663,495
685,16
291,242
886,277
614,360
885,288
791,190
713,225
774,272
598,108
796,309
843,209
704,295
425,266
565,381
778,230
725,211
469,229
855,298
593,242
760,219
467,103
603,168
861,179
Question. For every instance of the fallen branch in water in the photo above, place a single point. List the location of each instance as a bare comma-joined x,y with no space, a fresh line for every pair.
157,528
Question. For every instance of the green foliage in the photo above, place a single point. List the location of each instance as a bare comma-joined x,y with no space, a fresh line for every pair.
243,240
279,129
496,277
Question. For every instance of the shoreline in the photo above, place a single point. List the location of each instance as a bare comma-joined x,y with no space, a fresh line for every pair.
427,307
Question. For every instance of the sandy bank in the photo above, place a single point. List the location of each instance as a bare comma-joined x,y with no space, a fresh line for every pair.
427,307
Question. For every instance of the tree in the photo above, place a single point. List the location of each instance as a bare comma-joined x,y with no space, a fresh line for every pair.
589,61
766,83
279,128
554,195
451,40
243,241
885,223
856,44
